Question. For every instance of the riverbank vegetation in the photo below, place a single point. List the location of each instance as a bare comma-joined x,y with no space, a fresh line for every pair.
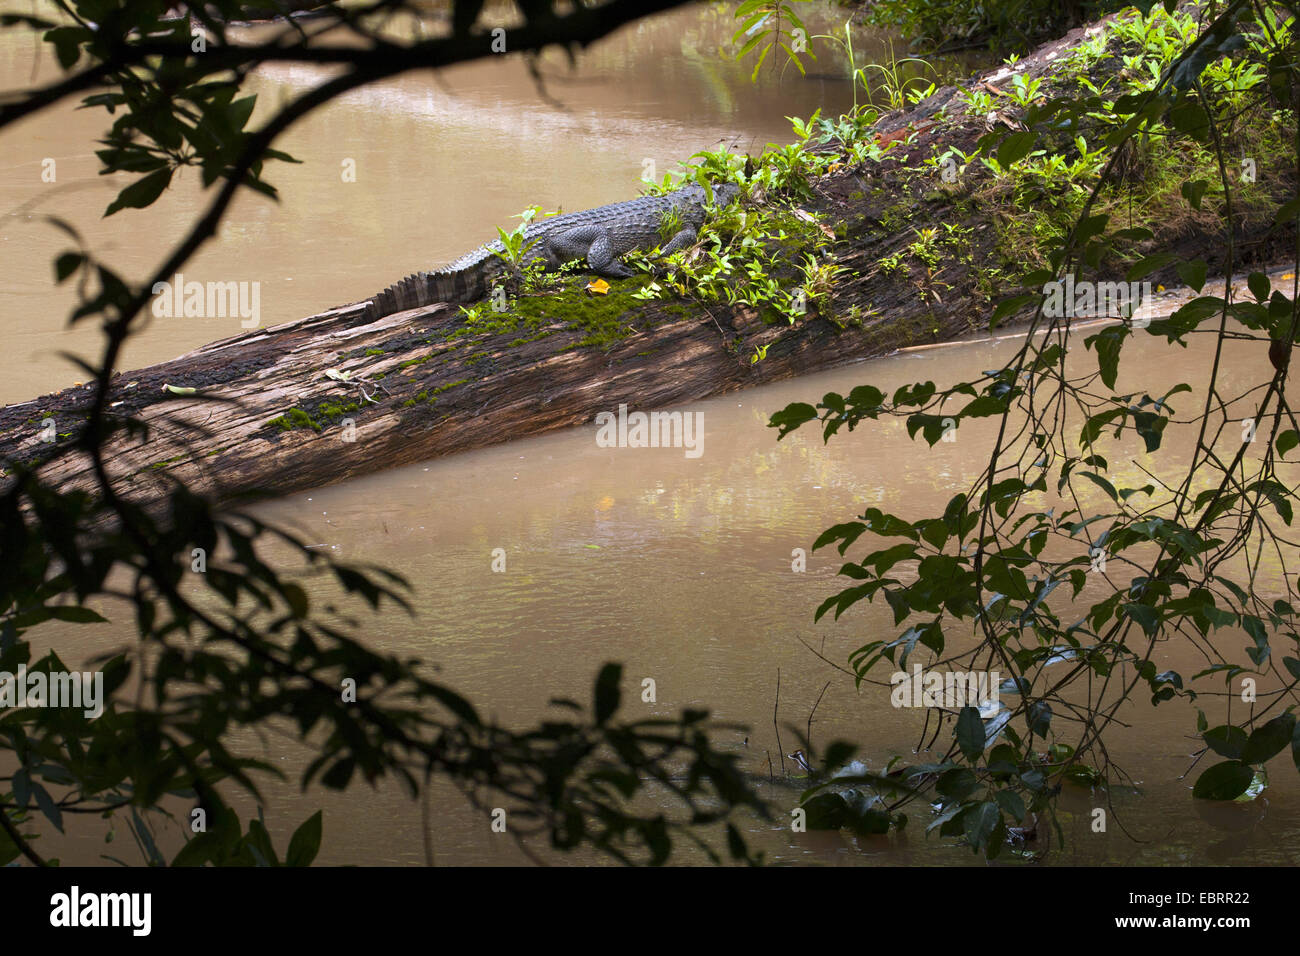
1177,105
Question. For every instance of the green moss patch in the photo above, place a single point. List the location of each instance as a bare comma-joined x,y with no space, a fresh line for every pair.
325,413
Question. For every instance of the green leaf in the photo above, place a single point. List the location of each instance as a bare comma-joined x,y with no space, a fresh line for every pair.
735,843
1039,718
1193,192
457,704
791,417
240,110
1090,227
1259,286
957,783
1287,440
259,841
1144,267
305,842
1226,740
1148,618
67,44
77,615
1269,740
1101,483
970,733
753,42
67,264
845,534
1188,117
8,849
1012,304
338,775
980,822
826,811
1192,273
1295,746
45,803
1016,147
199,850
1108,343
1191,65
1223,781
142,192
607,692
295,597
1011,804
1288,210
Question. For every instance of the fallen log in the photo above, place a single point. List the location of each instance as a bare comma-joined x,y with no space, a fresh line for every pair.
332,397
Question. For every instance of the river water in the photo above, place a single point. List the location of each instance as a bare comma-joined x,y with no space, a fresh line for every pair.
677,566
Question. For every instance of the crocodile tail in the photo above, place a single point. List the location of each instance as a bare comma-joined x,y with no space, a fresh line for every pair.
426,288
409,293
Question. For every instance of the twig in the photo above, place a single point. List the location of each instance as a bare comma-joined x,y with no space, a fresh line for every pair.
7,825
775,707
808,738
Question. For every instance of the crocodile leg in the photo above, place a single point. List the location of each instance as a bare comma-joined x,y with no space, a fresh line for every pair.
680,241
684,238
602,261
592,243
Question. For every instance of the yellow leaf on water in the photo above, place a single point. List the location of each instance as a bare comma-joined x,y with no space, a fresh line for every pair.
598,287
605,503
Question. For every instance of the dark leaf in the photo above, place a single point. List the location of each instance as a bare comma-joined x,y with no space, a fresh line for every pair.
607,692
1223,781
305,842
142,192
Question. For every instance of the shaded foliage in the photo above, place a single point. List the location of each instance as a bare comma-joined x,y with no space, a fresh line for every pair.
227,640
997,581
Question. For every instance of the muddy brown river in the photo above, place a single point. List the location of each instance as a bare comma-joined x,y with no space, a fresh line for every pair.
677,566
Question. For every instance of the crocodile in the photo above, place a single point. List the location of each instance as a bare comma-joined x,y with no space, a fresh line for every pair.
599,236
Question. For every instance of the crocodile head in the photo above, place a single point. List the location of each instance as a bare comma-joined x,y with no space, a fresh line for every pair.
723,193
